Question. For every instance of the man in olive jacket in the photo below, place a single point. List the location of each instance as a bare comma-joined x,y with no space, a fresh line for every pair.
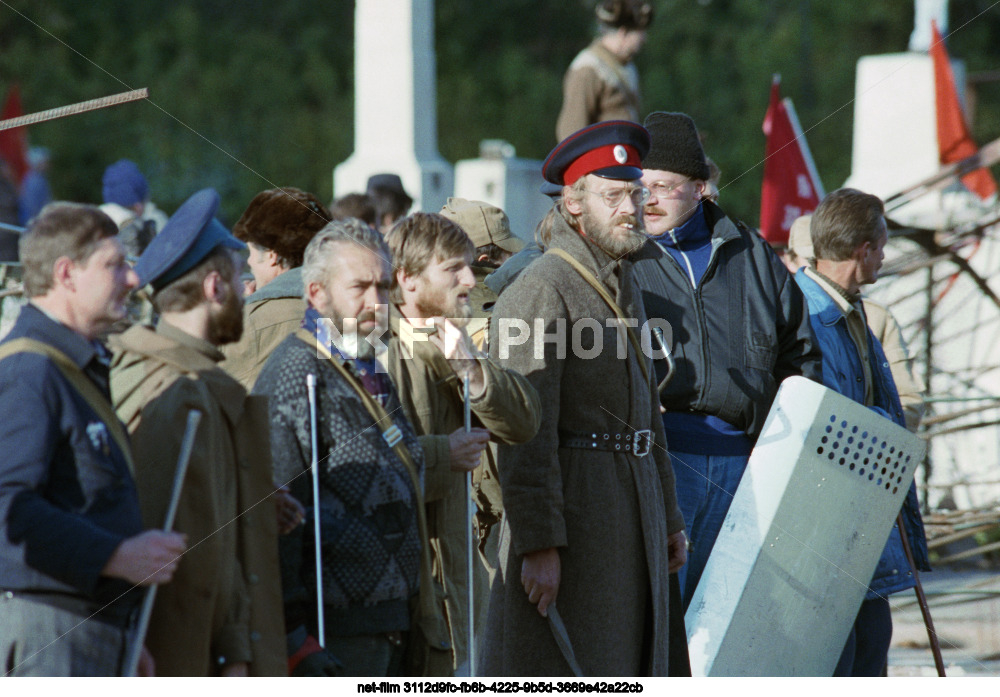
222,615
590,513
276,226
431,286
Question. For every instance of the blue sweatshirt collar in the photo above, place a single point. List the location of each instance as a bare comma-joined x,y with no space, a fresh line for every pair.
691,234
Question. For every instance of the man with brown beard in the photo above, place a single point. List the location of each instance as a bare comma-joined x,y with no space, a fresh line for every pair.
429,354
222,615
590,513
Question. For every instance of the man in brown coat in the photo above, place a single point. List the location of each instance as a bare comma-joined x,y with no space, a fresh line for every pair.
276,226
431,288
602,82
222,615
590,514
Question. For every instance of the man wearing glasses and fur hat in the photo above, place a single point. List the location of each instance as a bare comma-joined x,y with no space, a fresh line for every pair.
739,327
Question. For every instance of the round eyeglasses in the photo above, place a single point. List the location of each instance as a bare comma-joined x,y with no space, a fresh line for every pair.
613,197
662,189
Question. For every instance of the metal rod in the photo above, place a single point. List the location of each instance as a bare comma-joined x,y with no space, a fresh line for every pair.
922,599
72,109
470,509
183,458
314,467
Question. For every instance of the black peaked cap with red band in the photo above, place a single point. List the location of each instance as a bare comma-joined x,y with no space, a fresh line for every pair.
609,149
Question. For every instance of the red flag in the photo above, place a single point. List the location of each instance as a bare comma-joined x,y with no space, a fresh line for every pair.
954,141
791,186
14,141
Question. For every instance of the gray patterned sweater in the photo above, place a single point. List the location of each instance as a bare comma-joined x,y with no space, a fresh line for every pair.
368,519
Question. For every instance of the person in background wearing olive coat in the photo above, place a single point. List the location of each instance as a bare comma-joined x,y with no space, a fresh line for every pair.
223,613
276,226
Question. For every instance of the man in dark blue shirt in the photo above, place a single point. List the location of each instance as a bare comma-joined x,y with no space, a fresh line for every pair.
72,548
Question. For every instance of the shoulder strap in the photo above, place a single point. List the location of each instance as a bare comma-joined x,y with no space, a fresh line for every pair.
612,71
80,382
589,277
392,435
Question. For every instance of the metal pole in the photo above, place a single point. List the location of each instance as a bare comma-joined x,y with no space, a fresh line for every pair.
71,109
314,466
470,521
183,458
922,599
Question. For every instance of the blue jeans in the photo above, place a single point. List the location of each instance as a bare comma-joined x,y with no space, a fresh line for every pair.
705,487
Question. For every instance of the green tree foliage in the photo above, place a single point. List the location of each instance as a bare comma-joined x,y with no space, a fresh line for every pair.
248,94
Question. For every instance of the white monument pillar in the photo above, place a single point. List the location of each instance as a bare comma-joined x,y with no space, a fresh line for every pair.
395,109
895,125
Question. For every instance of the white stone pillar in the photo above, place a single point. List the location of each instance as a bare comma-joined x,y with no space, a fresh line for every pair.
895,135
395,109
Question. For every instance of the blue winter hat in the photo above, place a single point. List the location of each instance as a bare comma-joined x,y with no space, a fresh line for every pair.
191,234
124,184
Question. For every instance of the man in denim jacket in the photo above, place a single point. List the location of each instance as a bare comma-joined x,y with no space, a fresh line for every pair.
849,235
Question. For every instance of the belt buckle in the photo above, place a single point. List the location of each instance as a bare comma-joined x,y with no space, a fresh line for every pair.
642,442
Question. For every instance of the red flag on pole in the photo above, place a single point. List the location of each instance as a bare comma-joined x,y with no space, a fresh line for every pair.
14,142
791,185
954,141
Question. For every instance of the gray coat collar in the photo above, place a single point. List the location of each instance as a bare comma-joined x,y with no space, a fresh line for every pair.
287,285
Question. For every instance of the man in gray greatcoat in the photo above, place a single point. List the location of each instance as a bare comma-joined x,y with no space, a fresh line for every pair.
591,517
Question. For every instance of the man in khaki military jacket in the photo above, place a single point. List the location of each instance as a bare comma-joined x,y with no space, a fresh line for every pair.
276,226
222,615
428,353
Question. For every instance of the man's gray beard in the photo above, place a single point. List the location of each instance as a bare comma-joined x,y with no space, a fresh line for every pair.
356,346
603,237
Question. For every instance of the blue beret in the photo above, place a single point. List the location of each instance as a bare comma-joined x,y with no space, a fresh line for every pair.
124,184
191,234
610,149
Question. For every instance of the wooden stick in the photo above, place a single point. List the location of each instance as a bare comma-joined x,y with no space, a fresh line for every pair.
922,599
72,109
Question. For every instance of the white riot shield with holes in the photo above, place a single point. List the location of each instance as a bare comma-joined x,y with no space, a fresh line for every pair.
802,538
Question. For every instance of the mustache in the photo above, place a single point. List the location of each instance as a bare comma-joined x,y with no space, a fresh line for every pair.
653,210
626,220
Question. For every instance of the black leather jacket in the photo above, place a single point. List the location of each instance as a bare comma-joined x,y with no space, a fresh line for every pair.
743,330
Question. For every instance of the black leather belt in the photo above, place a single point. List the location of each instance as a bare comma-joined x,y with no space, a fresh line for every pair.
117,615
636,443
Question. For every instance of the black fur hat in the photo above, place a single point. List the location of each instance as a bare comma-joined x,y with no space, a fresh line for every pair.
630,14
675,145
